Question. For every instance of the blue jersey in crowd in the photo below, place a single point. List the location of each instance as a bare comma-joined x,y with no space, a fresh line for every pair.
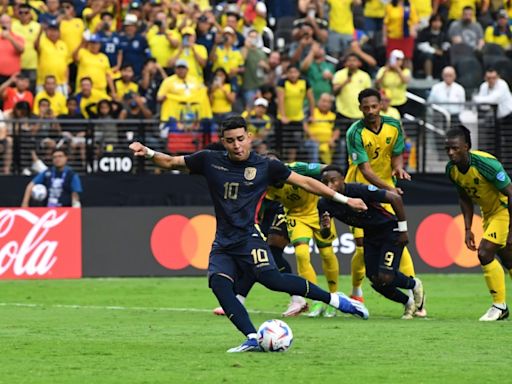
60,185
372,220
135,52
110,46
236,188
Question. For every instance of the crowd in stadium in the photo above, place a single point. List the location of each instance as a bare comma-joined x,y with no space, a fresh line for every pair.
293,68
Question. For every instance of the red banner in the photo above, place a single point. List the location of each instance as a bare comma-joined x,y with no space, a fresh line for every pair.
40,243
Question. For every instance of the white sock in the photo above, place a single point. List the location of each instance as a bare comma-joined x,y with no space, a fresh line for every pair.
502,306
335,300
410,301
252,336
357,291
241,298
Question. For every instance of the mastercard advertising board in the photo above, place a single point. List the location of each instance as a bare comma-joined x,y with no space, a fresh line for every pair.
175,241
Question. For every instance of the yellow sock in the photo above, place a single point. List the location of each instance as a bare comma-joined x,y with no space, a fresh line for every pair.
304,267
495,279
406,265
331,267
357,267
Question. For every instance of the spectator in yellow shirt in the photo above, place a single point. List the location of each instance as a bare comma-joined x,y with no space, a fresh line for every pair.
163,42
341,25
50,93
194,54
374,11
500,32
71,29
400,27
92,63
387,109
393,78
29,29
53,58
347,83
228,57
321,131
89,96
292,93
221,96
259,124
125,84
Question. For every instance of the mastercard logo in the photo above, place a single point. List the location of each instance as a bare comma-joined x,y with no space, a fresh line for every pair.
440,241
178,242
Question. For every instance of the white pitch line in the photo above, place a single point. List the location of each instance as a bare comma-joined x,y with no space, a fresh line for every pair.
119,308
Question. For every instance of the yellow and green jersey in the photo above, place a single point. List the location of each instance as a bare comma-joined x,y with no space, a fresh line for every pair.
376,148
482,182
296,201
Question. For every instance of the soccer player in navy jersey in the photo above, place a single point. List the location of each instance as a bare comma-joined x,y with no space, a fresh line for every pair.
237,179
385,235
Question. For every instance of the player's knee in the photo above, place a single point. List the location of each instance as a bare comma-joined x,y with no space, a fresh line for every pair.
219,282
381,279
271,279
485,257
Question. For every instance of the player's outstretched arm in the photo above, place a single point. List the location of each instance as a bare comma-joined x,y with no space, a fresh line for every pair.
314,186
372,178
397,164
160,159
398,206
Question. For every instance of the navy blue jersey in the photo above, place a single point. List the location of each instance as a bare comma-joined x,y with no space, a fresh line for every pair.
236,188
375,217
110,46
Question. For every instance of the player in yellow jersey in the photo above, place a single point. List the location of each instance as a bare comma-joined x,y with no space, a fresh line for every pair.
303,224
375,145
480,179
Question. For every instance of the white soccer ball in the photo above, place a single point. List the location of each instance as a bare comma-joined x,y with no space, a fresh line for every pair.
275,336
39,192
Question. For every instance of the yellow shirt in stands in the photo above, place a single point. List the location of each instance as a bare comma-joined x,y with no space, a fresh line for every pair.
456,7
258,126
227,58
179,91
194,68
393,84
57,102
94,66
29,32
71,32
346,100
220,103
340,16
95,97
294,97
321,129
394,20
501,40
123,88
391,112
53,60
160,46
375,9
96,20
423,8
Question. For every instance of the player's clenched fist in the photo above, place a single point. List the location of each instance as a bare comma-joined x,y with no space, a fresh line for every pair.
138,149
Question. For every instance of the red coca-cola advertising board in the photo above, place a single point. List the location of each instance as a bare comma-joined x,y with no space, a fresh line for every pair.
40,243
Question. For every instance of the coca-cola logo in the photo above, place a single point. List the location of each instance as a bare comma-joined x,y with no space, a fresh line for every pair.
40,243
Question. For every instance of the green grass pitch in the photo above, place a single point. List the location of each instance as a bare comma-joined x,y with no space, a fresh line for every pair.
161,330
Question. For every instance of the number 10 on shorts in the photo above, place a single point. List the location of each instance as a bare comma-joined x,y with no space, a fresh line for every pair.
259,256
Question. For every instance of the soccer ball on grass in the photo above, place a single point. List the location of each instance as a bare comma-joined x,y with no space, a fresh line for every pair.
275,336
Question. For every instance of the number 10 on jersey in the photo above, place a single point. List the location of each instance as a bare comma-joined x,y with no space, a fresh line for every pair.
231,191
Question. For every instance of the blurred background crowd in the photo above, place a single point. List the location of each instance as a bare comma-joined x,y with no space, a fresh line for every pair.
168,71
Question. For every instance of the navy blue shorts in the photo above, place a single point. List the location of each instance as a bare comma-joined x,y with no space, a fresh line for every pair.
246,259
381,251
